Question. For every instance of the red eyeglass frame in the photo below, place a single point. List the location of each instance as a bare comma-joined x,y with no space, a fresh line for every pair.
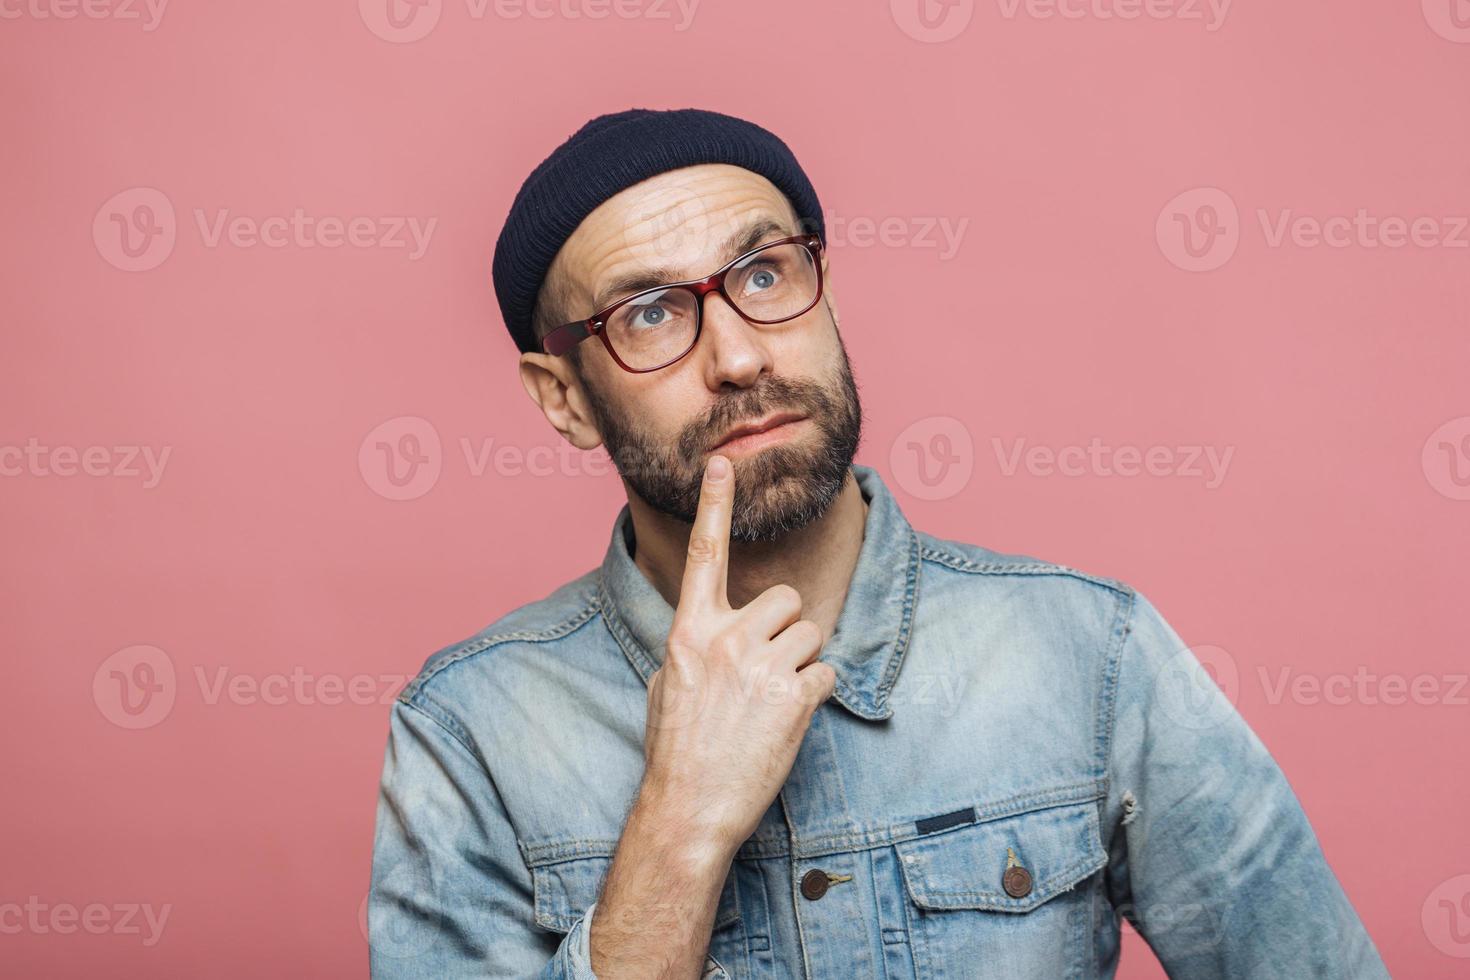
564,337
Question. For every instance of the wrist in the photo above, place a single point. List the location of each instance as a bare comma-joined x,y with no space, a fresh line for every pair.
681,830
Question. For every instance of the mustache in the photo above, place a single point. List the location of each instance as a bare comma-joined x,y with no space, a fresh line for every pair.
773,395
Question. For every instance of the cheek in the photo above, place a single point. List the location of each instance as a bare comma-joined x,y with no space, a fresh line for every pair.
651,407
812,351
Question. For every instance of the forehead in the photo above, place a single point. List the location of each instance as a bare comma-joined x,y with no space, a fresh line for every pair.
676,221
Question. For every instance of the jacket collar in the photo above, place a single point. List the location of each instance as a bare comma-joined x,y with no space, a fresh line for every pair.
872,632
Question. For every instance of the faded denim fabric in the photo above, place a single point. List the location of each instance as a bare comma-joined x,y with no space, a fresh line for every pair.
991,712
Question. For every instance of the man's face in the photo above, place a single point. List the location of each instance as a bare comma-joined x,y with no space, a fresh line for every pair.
661,427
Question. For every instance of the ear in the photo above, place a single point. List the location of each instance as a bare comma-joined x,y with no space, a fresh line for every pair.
555,388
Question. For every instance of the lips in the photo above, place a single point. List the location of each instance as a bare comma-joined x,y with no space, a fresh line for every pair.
751,428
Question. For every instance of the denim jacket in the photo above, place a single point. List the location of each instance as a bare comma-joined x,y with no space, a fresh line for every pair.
1016,757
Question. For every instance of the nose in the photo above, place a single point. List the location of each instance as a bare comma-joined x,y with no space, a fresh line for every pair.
736,352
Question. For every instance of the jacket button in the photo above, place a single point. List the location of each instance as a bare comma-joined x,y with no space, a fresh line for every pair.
814,884
1017,882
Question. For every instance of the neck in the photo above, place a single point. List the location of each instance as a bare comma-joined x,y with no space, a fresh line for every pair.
817,560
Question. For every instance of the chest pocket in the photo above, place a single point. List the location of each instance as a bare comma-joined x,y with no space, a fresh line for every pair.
565,888
1001,898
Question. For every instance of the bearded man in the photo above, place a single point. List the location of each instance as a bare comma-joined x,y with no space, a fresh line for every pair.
717,754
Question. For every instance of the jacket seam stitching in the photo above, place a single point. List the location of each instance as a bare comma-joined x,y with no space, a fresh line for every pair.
1040,896
542,853
475,647
1112,670
901,642
970,566
447,724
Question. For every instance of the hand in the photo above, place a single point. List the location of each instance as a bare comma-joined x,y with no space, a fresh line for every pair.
732,701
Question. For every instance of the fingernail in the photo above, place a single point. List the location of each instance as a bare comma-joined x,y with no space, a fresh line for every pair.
719,467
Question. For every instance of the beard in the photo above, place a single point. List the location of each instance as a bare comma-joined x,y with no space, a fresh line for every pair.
778,489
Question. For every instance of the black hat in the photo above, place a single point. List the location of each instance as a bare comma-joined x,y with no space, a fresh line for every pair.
609,154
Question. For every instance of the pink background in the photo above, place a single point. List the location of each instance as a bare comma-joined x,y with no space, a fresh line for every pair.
1074,150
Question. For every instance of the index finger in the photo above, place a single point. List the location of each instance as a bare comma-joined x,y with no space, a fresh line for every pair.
708,558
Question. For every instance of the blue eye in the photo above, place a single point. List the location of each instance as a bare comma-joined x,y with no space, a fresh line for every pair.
760,279
650,316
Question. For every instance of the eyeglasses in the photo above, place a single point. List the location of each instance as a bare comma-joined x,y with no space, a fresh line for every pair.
652,329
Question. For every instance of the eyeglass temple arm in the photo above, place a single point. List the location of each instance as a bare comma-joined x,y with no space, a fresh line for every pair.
563,338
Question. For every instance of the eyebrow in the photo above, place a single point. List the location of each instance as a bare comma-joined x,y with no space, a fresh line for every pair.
649,278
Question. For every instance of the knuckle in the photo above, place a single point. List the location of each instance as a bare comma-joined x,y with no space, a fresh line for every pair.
727,645
785,595
703,549
819,681
681,641
808,633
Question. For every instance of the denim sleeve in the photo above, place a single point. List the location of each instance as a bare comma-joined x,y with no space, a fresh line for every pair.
450,894
1211,857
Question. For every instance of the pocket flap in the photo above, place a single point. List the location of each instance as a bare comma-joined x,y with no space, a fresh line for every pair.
965,868
566,889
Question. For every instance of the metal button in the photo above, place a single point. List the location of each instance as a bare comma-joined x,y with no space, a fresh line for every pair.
814,884
1017,882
